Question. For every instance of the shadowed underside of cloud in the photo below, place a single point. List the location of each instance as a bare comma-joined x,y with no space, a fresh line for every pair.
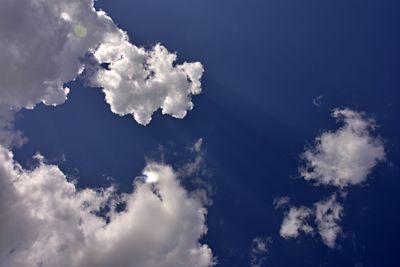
44,44
48,221
9,135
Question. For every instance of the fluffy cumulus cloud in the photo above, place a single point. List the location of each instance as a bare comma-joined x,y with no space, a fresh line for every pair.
327,215
48,221
295,221
46,44
346,156
139,82
259,250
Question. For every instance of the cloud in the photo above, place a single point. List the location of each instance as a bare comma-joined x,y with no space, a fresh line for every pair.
328,214
318,101
9,136
341,158
296,221
139,82
259,250
48,221
197,145
46,44
194,164
346,156
280,202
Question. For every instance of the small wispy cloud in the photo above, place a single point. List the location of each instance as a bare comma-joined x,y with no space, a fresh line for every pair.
318,101
259,251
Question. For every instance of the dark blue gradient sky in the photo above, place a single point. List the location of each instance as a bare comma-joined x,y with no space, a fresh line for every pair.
265,62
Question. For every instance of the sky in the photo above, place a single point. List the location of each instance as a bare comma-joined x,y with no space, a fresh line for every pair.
175,133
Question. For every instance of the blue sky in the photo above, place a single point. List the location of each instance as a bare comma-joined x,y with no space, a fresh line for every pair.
265,63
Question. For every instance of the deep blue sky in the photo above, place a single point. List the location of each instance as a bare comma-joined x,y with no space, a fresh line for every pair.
265,61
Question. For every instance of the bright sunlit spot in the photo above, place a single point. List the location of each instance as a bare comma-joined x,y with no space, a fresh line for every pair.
150,177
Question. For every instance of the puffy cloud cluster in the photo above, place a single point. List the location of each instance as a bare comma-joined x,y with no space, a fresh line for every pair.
48,221
139,82
344,157
46,44
327,214
341,158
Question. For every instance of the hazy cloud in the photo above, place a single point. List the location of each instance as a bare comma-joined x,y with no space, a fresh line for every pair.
318,101
259,251
280,202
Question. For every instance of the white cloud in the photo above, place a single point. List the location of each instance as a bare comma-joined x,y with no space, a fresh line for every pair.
259,251
47,221
139,82
328,214
344,157
39,51
296,221
341,158
280,202
44,43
